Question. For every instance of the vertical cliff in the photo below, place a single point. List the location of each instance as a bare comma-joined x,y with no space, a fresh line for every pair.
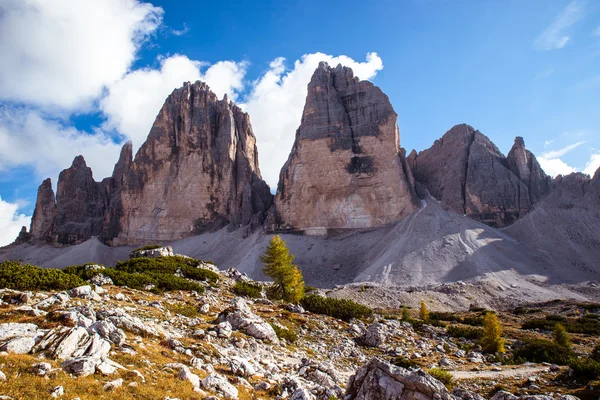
345,169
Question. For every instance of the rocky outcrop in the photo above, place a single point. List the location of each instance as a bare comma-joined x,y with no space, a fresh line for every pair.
80,204
379,380
345,169
565,225
523,164
469,175
198,170
44,213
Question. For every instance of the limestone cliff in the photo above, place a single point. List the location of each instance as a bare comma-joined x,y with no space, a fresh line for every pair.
197,170
345,169
469,175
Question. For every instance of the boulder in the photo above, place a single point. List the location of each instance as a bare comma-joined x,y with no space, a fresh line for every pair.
380,380
19,345
216,382
14,329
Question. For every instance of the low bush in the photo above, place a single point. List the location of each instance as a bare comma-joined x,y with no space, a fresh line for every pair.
247,289
338,308
443,376
586,324
168,265
444,316
595,355
14,275
585,368
162,281
540,350
186,310
404,362
285,333
467,332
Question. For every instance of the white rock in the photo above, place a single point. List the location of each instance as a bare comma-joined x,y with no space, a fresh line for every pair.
205,308
81,366
112,385
2,377
20,345
241,367
186,375
42,368
12,329
57,392
106,368
216,382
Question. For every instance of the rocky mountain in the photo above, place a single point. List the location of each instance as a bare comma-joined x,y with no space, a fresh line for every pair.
346,169
566,223
197,171
469,175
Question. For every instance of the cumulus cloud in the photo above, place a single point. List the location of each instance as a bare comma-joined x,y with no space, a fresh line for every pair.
11,222
554,36
133,102
552,164
27,138
276,101
62,53
593,164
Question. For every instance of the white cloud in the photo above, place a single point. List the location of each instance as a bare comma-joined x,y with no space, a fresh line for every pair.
133,102
554,36
60,54
11,222
593,164
277,99
182,31
555,166
561,152
29,139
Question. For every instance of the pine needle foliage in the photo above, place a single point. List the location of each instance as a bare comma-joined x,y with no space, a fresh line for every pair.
492,341
288,282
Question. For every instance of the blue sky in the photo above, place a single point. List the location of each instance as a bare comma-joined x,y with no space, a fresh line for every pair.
82,77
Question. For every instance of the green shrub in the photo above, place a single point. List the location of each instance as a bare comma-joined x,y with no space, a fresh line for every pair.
467,332
404,362
247,289
186,310
585,368
168,265
443,376
595,355
444,316
162,280
540,350
285,333
473,320
14,275
586,324
338,308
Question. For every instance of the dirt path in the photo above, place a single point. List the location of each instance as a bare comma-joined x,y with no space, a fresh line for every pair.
518,372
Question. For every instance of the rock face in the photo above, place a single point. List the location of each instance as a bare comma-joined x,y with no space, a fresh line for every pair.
523,163
198,170
345,169
566,224
42,221
469,175
379,380
80,204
